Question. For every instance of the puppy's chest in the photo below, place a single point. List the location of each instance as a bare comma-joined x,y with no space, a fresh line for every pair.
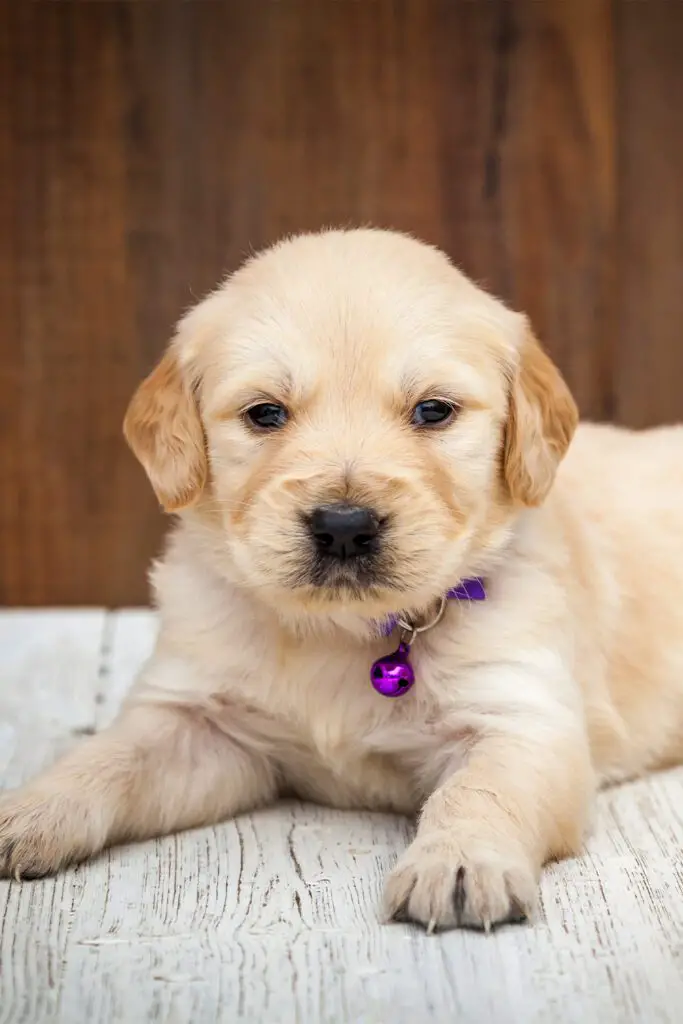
336,738
324,696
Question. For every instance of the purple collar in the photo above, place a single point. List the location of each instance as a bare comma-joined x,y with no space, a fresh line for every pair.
393,675
467,590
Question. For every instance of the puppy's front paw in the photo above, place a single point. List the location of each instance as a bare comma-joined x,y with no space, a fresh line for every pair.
441,882
40,832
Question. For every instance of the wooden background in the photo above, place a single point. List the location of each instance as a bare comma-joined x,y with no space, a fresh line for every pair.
146,146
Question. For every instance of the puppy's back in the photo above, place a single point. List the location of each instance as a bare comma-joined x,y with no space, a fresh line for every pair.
623,492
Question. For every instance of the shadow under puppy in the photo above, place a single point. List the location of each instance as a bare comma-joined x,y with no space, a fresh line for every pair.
348,429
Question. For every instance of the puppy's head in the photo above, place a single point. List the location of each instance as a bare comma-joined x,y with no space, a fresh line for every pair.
354,421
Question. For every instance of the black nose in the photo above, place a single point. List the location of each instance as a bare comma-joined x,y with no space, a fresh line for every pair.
345,531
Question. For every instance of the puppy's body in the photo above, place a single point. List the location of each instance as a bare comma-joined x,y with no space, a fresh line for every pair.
349,347
592,574
619,494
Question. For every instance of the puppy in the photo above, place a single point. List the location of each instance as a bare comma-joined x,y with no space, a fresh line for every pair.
348,429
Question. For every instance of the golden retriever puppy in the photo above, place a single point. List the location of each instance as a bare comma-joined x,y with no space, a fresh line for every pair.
383,589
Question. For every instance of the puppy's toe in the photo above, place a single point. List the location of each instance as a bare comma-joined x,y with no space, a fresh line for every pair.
440,884
39,834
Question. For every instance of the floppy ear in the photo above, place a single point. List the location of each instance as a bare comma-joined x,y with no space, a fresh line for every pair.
542,418
164,430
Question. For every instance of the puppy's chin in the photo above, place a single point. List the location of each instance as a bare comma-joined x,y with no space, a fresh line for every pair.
353,592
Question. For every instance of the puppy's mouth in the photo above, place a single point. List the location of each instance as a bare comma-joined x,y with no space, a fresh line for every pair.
358,576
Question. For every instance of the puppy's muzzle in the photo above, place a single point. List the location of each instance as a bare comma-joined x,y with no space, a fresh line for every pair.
342,533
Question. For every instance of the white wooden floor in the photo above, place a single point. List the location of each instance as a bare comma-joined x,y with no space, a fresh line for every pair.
272,918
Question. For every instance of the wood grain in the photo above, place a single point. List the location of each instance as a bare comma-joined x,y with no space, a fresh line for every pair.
650,367
71,503
273,917
147,148
556,165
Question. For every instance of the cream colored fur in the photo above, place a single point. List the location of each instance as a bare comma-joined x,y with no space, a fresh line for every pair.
570,675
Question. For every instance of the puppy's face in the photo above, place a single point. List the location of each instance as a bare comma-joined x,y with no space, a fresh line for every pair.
354,420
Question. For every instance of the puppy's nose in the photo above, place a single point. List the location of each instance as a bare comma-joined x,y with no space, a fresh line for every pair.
345,531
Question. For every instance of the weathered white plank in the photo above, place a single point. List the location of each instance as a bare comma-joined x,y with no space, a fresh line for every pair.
272,918
128,639
49,663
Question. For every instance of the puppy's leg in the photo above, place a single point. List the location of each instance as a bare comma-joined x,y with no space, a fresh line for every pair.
157,769
522,798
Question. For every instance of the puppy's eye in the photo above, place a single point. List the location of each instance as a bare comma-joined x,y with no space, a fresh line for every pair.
433,413
267,416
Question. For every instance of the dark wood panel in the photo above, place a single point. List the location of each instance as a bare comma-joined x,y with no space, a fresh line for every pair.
649,374
557,183
147,147
68,529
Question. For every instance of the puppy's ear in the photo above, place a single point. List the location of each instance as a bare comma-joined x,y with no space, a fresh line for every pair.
164,430
542,418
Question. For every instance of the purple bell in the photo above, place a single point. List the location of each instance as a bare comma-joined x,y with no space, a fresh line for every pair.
393,674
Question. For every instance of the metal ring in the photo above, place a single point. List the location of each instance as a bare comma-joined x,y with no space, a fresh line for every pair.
413,631
436,620
408,632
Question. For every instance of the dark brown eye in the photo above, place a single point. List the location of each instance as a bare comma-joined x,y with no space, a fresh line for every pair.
267,416
433,413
